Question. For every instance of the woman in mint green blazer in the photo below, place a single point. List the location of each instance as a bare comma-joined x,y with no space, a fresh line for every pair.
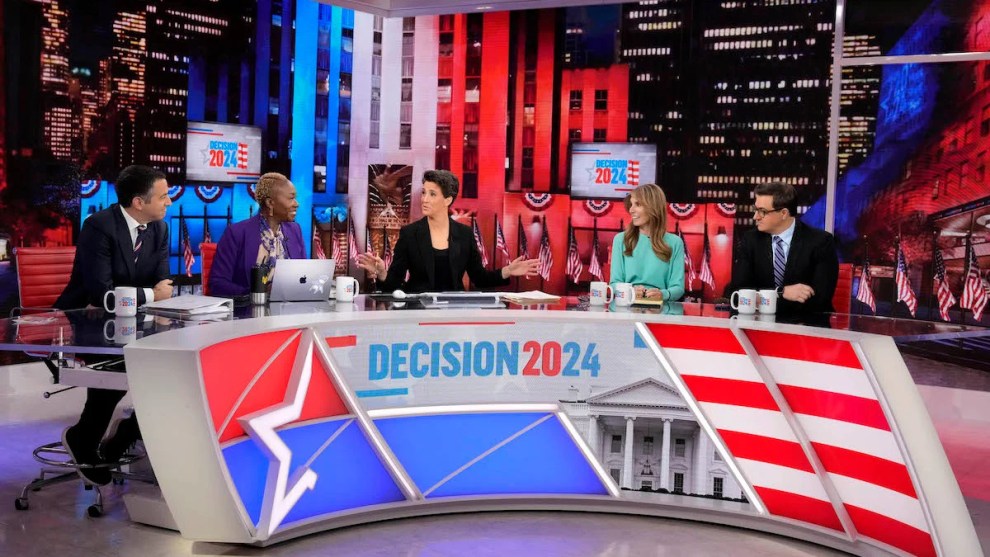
645,254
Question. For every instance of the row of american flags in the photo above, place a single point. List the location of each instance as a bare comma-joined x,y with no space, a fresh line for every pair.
974,295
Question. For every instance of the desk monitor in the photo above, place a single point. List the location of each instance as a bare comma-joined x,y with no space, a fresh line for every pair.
302,280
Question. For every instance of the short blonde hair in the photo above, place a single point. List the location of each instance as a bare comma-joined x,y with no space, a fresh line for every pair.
266,186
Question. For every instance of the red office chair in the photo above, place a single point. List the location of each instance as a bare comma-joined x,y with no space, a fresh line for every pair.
207,251
42,274
842,299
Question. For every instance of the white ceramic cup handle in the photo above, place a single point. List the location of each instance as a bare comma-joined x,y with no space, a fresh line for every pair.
609,293
734,300
357,287
109,292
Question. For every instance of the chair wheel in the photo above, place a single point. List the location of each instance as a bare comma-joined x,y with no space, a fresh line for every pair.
95,511
21,504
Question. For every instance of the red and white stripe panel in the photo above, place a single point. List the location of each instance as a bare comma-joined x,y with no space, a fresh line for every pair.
825,385
721,377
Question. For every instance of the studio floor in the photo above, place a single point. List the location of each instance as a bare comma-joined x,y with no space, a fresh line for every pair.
57,523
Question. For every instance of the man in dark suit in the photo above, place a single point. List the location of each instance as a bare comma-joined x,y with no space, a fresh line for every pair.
785,254
123,245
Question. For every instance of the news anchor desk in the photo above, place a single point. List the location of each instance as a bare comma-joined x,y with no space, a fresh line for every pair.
316,416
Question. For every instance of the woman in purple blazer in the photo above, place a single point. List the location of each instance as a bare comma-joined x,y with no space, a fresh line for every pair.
259,241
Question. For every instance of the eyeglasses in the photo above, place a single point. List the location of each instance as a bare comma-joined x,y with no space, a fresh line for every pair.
761,212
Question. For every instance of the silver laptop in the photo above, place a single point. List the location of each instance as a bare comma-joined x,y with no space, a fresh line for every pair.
302,280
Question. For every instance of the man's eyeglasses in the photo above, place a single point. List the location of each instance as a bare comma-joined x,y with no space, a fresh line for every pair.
761,212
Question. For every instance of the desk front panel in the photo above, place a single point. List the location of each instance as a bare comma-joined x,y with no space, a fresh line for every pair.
308,426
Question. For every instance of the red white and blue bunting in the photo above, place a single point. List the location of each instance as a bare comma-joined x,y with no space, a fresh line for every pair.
538,201
89,188
726,209
175,192
683,210
597,207
251,189
209,194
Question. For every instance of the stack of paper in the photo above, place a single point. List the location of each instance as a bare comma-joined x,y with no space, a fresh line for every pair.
530,297
189,305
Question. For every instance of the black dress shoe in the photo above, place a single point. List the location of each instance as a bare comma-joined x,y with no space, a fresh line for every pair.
85,457
121,439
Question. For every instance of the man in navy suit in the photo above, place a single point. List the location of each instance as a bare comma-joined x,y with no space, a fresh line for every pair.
123,245
785,254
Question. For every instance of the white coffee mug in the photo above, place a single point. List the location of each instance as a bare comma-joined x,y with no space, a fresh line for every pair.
768,301
124,301
120,330
625,294
346,288
601,293
744,301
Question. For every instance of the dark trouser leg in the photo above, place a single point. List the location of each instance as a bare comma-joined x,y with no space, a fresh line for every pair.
96,415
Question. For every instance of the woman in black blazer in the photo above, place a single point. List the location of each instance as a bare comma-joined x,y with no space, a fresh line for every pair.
436,251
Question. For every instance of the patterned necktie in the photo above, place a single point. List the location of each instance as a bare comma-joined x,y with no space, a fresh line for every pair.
779,261
139,240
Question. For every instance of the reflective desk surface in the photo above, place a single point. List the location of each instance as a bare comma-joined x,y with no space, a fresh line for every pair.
95,331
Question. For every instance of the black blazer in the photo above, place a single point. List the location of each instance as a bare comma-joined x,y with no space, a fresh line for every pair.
812,260
414,253
105,259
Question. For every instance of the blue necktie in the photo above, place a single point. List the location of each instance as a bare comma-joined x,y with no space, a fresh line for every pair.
139,240
779,261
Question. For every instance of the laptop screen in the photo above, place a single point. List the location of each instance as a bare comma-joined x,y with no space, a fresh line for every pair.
302,280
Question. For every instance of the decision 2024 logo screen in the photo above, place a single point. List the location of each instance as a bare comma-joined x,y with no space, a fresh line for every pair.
611,170
222,152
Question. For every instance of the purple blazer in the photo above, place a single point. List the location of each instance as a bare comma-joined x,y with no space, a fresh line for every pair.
237,254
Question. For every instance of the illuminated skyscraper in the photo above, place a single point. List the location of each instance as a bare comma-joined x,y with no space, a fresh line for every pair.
59,126
129,58
860,101
734,93
84,91
174,28
654,40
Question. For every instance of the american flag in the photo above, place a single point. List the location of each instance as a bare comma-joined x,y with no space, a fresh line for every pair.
692,274
187,253
974,295
242,155
706,275
632,174
865,292
335,245
479,241
318,252
546,256
207,238
945,298
574,266
352,246
500,244
844,427
387,252
523,244
595,265
904,292
367,241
